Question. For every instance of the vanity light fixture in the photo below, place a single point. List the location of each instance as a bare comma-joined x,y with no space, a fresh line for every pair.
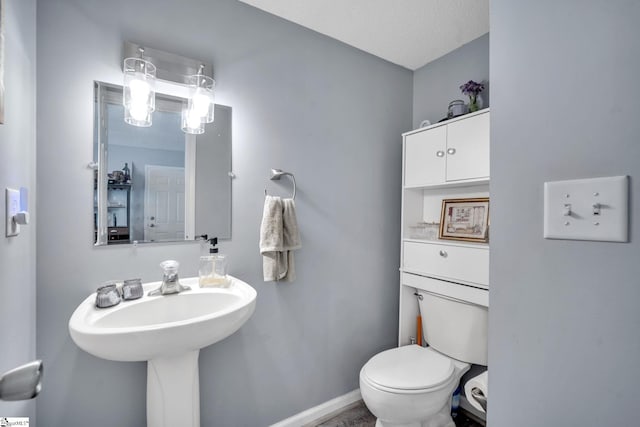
177,76
139,97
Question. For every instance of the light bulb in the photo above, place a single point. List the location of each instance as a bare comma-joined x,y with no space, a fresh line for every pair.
193,119
139,110
200,103
139,89
191,122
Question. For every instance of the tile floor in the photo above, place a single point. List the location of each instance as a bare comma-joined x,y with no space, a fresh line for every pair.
359,416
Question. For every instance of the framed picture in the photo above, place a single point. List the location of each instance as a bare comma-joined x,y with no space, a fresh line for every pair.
465,219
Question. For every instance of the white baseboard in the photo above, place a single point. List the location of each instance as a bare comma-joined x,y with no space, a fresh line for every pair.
321,410
340,402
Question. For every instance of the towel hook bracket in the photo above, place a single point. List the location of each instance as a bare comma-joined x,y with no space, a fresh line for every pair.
276,174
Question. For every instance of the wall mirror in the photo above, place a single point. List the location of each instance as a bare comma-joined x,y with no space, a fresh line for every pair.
159,184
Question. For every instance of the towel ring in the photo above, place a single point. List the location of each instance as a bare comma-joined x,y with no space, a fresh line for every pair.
276,174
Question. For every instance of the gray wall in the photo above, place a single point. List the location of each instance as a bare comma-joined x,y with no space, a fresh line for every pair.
302,102
438,83
564,321
18,169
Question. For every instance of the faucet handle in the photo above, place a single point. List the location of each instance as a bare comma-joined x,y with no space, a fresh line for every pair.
132,289
107,295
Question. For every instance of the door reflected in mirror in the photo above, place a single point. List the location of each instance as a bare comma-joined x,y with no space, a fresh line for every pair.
158,184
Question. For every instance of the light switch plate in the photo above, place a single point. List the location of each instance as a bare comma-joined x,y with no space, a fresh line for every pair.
12,208
587,209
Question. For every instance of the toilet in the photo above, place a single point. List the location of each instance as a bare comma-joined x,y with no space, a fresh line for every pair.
411,386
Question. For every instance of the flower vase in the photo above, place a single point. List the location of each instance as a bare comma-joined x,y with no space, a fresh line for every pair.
473,104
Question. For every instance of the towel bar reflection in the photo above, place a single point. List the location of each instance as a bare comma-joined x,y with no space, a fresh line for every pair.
276,174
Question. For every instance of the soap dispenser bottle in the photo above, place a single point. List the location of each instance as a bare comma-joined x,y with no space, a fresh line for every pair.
213,268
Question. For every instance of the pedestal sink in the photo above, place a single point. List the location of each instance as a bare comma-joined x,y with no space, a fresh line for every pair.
168,332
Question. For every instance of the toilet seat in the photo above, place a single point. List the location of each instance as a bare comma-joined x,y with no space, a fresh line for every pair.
408,369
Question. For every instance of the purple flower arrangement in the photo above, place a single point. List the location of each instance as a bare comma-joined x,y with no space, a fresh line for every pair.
472,89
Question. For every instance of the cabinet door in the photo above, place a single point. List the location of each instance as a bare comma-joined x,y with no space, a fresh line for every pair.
424,157
468,148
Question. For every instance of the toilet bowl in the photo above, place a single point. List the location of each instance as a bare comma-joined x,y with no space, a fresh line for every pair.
411,386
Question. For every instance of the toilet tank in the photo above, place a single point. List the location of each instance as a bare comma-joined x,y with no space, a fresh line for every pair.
455,327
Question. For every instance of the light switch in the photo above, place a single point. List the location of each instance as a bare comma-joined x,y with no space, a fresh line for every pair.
587,209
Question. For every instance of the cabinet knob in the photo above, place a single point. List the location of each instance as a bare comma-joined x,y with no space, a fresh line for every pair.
451,151
443,254
440,153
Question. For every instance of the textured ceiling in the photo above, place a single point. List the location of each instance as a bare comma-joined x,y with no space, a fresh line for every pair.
410,33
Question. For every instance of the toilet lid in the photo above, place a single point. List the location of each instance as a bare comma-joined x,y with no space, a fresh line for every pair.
409,368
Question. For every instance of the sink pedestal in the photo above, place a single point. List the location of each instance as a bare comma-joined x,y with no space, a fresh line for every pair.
173,391
167,332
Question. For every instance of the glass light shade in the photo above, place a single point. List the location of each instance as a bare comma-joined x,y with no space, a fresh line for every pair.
201,97
138,116
139,96
191,122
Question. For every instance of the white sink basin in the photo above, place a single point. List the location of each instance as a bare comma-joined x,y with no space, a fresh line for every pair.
160,326
167,331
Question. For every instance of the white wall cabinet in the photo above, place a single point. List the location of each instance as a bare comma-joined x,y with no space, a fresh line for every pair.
444,161
456,150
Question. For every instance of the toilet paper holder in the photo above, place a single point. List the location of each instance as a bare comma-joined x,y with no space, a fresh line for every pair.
479,396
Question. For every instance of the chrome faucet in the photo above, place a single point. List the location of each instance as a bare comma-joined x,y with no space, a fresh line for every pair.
170,282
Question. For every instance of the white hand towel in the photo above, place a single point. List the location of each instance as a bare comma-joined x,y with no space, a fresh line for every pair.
291,234
279,236
271,238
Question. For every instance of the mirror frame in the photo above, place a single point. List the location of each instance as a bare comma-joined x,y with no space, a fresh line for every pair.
177,94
